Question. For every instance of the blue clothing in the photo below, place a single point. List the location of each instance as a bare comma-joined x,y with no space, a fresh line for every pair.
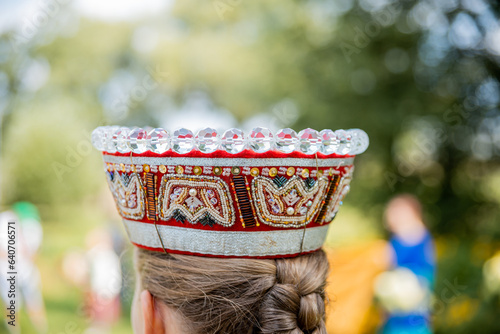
421,260
407,324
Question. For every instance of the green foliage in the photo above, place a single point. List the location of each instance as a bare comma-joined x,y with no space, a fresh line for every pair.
48,154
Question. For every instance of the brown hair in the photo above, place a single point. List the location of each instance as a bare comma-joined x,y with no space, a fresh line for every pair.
237,296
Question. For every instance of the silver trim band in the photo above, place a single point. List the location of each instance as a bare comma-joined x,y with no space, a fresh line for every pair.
227,243
222,162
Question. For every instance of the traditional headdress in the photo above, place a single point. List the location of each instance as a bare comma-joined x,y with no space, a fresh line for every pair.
261,196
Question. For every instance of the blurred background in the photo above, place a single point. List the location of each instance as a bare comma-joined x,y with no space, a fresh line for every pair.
420,77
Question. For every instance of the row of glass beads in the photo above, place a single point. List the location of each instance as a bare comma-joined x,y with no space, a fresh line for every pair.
309,141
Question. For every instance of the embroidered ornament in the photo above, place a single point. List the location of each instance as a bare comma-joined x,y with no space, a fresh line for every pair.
335,201
259,195
284,204
195,197
128,194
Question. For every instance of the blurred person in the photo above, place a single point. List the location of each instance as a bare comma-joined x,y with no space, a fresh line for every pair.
105,281
97,271
29,237
75,268
405,290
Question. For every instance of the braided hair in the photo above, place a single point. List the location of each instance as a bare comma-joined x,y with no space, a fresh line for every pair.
235,296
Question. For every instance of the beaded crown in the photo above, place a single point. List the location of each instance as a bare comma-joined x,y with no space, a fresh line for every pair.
261,195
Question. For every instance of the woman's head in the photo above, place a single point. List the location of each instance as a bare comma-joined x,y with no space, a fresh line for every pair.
209,295
403,216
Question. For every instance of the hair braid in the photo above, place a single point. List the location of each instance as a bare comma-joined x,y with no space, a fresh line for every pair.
296,302
235,296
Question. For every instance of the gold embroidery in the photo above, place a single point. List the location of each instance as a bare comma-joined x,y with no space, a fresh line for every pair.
129,196
337,197
291,205
195,197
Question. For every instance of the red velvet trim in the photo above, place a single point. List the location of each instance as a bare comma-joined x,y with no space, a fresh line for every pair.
250,154
223,256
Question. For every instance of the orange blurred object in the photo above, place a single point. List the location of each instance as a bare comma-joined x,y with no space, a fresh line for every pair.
350,286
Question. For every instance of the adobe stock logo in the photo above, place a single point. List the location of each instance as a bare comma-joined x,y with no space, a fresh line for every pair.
364,35
222,7
121,106
46,11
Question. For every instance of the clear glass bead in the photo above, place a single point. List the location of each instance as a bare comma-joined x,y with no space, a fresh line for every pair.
182,141
309,141
207,140
344,142
158,140
137,140
109,146
97,138
233,141
360,141
120,137
261,139
330,142
286,140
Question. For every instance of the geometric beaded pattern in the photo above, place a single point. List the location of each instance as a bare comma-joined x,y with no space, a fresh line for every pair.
199,199
279,197
128,193
243,201
335,201
288,203
150,181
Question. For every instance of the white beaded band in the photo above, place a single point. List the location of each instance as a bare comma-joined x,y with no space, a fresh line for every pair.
227,243
114,139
